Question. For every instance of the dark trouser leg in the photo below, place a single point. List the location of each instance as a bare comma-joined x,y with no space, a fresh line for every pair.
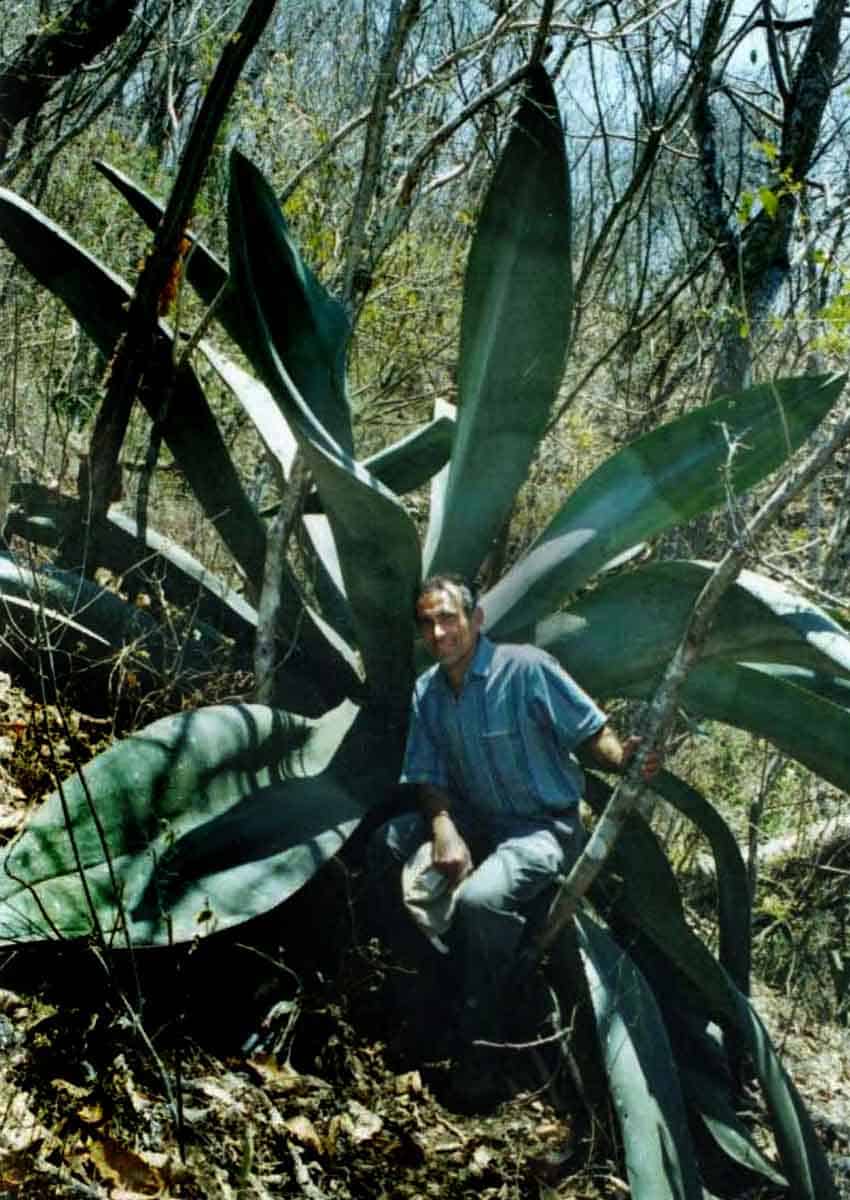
419,990
491,910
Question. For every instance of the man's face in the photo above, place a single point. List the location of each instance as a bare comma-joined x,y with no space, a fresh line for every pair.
449,633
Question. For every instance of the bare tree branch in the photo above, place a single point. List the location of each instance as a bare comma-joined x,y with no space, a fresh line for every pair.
67,42
134,354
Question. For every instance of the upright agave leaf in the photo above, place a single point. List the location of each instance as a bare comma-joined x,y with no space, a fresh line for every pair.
803,1160
717,1113
196,823
376,541
204,270
514,332
650,910
644,877
210,279
642,1072
662,479
303,327
733,892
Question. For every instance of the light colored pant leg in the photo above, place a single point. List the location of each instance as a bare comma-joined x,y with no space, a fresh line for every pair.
490,915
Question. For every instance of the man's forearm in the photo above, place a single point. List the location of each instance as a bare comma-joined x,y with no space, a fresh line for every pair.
451,853
606,750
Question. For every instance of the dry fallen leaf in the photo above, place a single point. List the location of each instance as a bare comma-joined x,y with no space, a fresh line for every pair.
410,1082
482,1157
360,1123
226,1090
304,1132
115,1164
282,1078
20,1130
70,1089
92,1114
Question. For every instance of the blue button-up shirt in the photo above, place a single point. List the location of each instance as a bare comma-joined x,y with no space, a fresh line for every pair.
505,742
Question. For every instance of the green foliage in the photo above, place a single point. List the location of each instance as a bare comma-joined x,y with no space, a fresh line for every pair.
514,334
208,818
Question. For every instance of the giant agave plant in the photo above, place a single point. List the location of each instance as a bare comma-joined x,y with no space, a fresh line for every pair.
207,818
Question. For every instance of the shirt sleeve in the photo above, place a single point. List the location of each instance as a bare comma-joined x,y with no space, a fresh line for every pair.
558,702
423,760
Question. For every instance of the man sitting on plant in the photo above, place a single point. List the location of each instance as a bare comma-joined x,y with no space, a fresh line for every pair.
493,734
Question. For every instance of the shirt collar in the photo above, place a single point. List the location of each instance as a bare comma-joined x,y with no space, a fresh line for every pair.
483,656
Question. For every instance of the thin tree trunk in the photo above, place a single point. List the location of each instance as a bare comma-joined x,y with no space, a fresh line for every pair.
136,350
401,19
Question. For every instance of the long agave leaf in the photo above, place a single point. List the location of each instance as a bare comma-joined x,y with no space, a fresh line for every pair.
644,876
303,326
259,405
319,668
45,517
625,631
803,1159
439,488
376,540
96,297
638,887
515,328
814,731
403,466
668,476
716,1111
204,820
204,270
73,632
413,460
829,687
642,1073
733,893
322,561
319,549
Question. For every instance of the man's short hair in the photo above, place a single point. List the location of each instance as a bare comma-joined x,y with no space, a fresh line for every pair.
438,583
